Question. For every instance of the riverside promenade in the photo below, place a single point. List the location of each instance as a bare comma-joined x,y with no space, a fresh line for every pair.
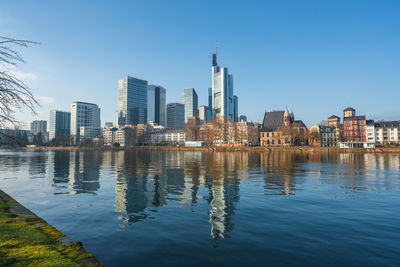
27,240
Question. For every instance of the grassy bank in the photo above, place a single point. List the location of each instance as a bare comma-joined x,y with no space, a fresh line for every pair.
27,240
235,149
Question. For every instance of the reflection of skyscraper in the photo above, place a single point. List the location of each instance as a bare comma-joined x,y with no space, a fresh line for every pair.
137,186
84,171
222,200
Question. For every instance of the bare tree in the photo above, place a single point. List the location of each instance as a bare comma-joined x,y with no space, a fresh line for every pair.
14,93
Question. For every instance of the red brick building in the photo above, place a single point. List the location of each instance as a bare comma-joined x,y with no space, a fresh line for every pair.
354,127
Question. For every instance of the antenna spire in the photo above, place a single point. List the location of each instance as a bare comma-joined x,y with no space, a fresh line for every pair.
216,47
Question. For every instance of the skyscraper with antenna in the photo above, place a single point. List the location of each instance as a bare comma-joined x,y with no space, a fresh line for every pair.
222,98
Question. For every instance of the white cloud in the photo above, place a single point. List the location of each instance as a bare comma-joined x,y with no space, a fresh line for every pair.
46,99
25,76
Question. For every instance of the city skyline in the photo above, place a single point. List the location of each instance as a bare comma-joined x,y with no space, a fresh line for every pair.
296,62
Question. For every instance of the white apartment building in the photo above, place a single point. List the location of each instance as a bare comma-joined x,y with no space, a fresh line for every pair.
387,132
84,115
170,137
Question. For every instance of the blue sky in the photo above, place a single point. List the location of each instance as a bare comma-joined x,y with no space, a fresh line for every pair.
316,57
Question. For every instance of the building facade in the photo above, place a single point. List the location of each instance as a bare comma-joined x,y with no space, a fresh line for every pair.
175,116
132,101
223,102
84,115
59,124
39,126
167,137
387,132
189,98
281,129
205,114
156,104
324,136
354,128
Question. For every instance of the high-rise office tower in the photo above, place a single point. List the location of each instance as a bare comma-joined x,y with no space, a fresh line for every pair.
85,115
132,101
210,97
190,99
59,124
38,127
156,104
175,116
235,108
222,91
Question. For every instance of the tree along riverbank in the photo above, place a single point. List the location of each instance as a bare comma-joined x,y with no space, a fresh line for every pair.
27,240
232,149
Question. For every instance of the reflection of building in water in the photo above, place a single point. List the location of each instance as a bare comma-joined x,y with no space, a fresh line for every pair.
222,200
37,163
280,174
58,167
139,184
84,171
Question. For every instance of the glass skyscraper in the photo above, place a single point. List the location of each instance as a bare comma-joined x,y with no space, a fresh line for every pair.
190,99
156,104
175,116
59,124
223,102
132,101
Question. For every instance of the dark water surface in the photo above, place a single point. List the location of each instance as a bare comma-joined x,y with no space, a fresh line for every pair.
198,208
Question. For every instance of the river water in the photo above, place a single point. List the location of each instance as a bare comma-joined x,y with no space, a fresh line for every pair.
216,208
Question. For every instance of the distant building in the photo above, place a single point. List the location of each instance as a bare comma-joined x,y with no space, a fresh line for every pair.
120,135
281,129
210,97
38,126
156,104
223,102
175,116
132,101
235,108
387,132
190,99
205,114
324,136
167,137
84,115
242,118
334,121
354,129
109,124
370,132
59,124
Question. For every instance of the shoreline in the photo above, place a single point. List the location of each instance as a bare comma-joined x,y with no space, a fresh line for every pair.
27,239
231,149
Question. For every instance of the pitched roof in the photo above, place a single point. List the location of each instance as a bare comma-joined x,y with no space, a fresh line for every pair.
333,117
299,123
273,119
349,109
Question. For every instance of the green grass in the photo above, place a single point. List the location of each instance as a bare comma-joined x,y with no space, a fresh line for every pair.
24,244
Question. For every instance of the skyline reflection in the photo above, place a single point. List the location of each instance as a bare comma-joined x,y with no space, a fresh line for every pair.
147,181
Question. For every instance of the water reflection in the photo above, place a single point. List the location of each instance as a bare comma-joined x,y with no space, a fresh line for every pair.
145,182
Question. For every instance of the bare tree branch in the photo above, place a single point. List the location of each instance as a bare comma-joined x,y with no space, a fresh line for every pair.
14,93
